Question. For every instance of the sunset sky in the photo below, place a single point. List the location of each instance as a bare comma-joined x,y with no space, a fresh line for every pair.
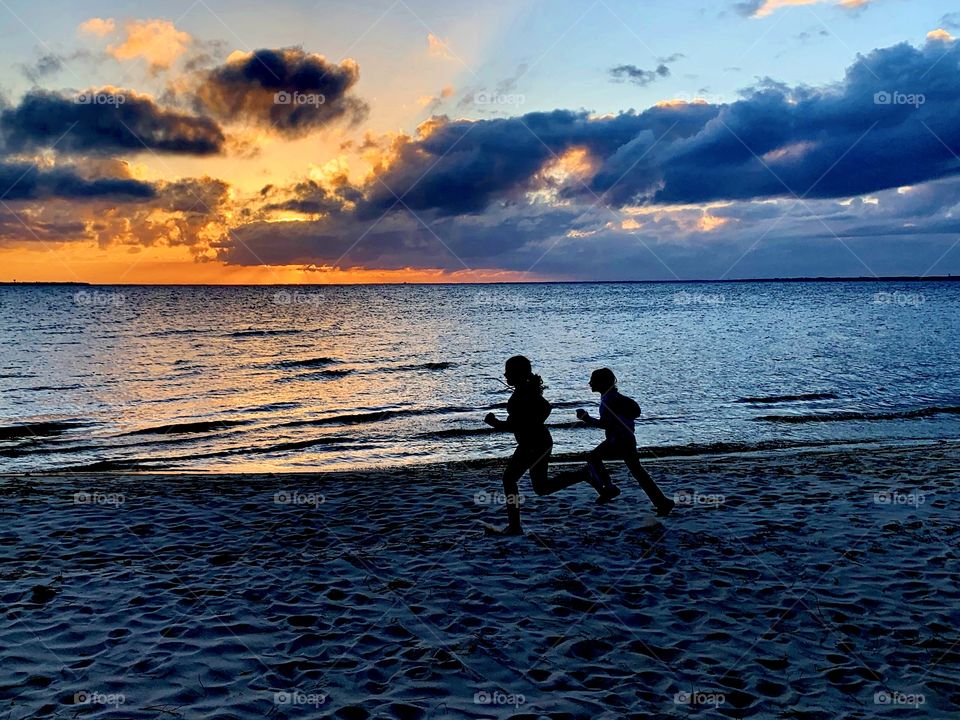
422,140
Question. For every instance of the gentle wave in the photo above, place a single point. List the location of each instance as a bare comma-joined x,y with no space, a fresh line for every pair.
470,432
307,363
39,430
252,332
772,399
374,416
318,375
190,427
847,416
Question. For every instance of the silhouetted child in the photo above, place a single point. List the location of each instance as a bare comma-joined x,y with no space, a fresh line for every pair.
617,416
527,413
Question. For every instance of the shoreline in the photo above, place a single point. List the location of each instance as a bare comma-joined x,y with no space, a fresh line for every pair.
649,455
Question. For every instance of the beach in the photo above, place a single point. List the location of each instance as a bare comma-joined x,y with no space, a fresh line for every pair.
810,583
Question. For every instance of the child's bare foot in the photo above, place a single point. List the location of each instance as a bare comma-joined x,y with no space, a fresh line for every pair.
503,532
608,493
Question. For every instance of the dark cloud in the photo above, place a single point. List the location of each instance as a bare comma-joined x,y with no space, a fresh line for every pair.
25,181
748,8
951,21
858,136
104,121
463,166
287,90
47,64
50,63
638,76
308,198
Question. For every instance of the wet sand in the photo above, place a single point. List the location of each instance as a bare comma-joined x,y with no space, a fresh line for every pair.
787,585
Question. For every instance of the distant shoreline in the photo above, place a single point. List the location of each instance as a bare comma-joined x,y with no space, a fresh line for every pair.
889,278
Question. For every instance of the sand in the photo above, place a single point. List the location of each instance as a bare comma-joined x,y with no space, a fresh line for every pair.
786,585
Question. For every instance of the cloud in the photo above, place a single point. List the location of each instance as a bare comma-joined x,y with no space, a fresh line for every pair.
104,120
27,181
101,27
638,76
156,41
51,63
832,142
940,35
641,77
287,91
439,48
951,21
765,8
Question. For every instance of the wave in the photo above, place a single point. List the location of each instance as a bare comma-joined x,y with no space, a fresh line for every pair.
252,332
470,432
169,461
190,427
865,416
318,375
307,363
39,429
771,399
42,388
421,366
173,331
375,416
276,447
654,452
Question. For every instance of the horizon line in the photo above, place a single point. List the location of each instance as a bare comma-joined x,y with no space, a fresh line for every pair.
862,278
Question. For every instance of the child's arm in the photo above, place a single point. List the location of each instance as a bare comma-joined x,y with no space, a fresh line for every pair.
496,423
585,417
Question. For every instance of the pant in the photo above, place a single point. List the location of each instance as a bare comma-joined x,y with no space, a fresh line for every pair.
536,459
627,452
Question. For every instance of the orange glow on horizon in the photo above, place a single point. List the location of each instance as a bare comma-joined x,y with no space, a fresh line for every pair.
175,266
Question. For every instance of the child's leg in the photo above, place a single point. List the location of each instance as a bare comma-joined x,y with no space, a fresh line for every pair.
516,467
596,467
650,487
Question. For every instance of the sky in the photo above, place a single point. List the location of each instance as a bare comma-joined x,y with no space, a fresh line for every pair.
445,141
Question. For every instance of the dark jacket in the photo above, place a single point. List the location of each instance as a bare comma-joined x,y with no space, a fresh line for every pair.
527,411
617,416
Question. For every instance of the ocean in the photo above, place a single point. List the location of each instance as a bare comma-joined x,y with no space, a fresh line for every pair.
237,379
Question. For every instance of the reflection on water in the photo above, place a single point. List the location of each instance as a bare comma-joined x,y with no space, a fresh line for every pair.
274,378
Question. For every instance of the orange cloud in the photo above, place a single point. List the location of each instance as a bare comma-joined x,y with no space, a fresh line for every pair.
771,6
156,41
940,35
100,27
439,48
